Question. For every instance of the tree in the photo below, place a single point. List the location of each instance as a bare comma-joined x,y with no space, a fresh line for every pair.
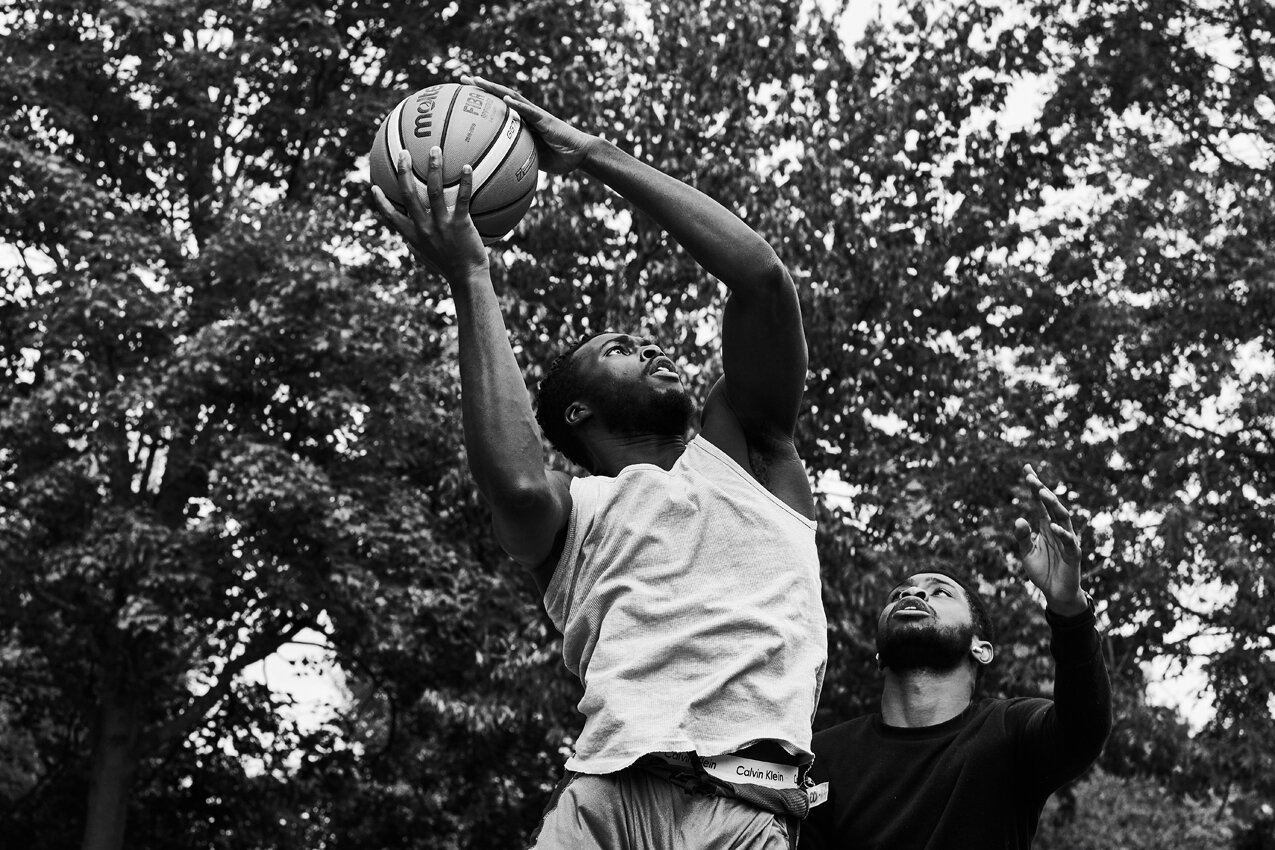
1163,108
1109,811
215,433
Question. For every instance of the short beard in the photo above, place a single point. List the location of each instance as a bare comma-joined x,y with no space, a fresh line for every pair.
666,413
907,647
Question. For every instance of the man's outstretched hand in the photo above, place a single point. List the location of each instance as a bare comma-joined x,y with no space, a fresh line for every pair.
561,146
1051,554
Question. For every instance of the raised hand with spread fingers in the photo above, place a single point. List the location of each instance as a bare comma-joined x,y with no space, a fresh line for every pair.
1051,554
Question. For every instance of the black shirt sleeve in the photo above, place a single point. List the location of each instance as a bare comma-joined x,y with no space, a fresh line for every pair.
1065,736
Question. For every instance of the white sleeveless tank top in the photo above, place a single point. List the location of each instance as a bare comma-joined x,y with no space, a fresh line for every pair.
689,605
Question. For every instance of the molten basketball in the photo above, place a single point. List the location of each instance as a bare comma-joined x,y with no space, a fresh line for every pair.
472,127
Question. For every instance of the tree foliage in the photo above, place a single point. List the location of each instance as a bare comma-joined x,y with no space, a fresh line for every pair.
1109,811
229,414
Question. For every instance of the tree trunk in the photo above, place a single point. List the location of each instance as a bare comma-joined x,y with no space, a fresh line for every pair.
112,768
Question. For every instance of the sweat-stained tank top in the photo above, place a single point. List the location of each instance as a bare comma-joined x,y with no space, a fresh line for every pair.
689,604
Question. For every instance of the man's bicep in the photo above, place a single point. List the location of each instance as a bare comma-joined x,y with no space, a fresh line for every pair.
764,354
529,526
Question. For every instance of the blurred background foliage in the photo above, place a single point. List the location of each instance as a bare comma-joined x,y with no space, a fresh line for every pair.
1023,232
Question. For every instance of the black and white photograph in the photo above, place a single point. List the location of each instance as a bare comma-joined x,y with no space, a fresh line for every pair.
637,425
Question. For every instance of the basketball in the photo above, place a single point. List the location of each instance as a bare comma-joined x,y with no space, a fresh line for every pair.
473,128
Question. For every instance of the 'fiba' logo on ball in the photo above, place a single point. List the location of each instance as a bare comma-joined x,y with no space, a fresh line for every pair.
474,103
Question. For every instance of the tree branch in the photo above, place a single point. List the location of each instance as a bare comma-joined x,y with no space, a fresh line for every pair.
1227,440
201,706
1255,52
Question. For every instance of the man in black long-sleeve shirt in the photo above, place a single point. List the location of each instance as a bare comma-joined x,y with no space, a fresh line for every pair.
936,770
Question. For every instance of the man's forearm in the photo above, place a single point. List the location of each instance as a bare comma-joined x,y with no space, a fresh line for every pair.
1082,690
716,238
501,436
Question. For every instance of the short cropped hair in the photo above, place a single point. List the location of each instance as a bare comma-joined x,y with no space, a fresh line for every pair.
984,628
562,384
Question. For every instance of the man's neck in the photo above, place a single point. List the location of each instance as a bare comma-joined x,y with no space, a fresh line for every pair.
925,697
613,452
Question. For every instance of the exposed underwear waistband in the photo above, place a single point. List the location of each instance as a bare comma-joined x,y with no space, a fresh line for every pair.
737,769
735,777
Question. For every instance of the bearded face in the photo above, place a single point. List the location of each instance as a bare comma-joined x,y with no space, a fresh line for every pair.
927,624
907,646
639,408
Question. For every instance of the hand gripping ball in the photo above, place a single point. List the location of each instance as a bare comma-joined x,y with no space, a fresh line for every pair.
471,126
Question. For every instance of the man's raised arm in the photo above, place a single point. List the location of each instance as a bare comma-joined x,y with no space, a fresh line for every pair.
530,504
764,348
1069,736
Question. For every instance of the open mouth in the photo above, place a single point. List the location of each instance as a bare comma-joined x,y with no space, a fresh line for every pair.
662,367
910,605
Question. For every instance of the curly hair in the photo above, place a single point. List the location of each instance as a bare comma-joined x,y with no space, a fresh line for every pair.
562,384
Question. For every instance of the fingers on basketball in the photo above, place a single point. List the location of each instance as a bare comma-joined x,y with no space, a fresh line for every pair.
465,191
434,179
409,188
531,113
383,206
394,217
503,92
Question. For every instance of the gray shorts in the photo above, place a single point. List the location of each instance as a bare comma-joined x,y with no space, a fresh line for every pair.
635,809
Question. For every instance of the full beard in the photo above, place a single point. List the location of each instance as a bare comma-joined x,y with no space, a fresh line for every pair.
661,412
905,647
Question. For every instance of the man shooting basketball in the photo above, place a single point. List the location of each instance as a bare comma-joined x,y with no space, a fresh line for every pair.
682,574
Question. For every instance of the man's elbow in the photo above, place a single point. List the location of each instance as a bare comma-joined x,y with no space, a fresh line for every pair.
1094,740
768,283
772,274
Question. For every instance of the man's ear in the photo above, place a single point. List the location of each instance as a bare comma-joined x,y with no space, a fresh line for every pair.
981,651
577,412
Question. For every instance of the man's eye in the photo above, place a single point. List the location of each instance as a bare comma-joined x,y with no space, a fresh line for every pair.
943,591
623,349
